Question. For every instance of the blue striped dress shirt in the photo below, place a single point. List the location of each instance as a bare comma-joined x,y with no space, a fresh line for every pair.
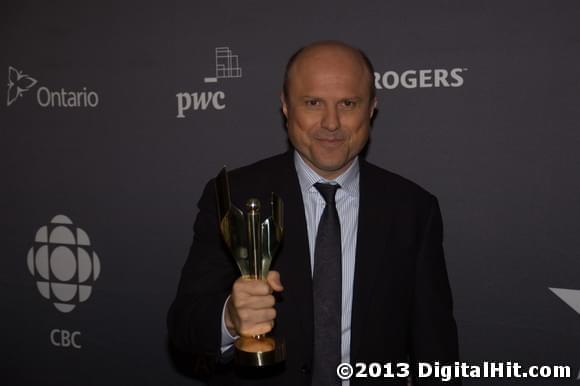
347,204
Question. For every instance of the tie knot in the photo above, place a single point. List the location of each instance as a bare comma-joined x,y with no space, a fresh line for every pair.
328,191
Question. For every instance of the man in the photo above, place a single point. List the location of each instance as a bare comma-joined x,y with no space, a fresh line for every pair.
360,276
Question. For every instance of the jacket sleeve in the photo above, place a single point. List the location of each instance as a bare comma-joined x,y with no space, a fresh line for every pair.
194,318
434,331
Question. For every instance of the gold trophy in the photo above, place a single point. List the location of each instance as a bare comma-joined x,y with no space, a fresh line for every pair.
253,244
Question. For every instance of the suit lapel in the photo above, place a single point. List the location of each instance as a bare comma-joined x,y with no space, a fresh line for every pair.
373,223
294,258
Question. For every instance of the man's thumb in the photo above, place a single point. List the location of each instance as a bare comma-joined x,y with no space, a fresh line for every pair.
273,280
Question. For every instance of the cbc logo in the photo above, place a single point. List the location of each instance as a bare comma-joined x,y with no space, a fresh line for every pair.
64,338
63,263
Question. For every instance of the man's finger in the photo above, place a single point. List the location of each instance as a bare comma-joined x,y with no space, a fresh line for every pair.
274,280
255,302
256,329
251,287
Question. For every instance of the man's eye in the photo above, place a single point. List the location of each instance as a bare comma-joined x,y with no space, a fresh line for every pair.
348,104
312,103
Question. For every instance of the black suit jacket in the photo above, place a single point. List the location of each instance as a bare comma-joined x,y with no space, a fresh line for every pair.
402,307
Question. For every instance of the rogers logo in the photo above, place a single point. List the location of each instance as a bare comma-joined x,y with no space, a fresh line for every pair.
438,77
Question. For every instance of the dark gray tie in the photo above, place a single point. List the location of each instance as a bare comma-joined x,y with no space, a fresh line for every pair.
327,291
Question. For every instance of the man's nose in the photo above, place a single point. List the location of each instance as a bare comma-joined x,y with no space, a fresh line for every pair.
330,119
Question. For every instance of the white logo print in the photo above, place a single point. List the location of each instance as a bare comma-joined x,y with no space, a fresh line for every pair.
426,78
63,263
572,298
18,83
569,296
226,65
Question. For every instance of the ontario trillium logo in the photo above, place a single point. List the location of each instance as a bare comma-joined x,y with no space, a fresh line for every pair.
18,83
63,263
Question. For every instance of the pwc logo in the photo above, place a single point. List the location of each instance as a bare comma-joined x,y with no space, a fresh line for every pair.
226,67
20,83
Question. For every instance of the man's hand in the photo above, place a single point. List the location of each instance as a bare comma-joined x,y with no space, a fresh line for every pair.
250,309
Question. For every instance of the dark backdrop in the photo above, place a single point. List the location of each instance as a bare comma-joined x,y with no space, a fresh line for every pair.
478,103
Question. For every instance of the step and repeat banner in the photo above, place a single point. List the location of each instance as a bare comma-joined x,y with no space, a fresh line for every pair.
115,114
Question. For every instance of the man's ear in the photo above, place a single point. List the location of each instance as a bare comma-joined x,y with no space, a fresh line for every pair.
374,103
284,105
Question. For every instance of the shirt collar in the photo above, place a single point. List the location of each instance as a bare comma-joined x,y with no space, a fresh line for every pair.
348,181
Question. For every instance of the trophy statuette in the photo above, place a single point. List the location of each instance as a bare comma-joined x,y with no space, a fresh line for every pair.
253,245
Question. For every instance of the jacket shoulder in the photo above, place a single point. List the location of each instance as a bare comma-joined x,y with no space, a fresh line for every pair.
392,184
266,165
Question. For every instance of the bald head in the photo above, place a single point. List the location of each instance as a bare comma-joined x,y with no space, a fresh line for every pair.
328,103
326,53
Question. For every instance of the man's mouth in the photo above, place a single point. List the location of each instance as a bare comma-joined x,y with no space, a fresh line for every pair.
330,139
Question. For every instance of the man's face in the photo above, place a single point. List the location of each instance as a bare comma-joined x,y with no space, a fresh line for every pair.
328,108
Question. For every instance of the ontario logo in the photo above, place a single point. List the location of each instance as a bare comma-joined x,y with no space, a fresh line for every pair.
227,66
20,83
63,263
